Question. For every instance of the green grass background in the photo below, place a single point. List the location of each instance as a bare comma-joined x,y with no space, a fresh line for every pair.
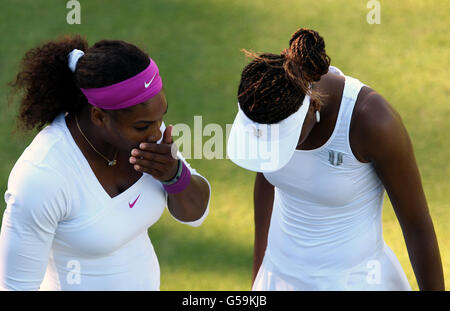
197,46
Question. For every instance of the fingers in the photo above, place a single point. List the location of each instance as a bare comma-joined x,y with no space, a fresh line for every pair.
163,149
150,167
155,173
167,138
150,156
156,148
158,160
158,170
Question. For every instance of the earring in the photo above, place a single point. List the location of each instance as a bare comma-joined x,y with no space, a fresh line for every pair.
317,116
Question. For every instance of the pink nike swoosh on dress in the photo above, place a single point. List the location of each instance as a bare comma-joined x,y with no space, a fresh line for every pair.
131,205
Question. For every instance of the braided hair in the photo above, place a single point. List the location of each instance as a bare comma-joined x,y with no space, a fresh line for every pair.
273,86
49,86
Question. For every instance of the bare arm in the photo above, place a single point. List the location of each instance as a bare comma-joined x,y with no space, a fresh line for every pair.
263,201
387,145
191,203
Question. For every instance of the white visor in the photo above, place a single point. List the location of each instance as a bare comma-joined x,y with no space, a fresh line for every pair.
265,147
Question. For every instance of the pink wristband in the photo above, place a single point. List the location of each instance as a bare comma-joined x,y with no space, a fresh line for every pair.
182,182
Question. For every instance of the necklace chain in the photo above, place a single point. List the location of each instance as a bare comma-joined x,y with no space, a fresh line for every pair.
110,162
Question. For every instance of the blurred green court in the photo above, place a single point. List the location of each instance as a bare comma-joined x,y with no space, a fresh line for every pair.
197,44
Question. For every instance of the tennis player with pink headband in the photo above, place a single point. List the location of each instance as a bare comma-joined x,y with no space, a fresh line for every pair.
82,195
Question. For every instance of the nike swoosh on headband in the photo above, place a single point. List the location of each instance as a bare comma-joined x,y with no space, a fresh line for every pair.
148,84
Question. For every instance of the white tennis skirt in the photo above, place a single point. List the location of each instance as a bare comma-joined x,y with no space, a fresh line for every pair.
383,273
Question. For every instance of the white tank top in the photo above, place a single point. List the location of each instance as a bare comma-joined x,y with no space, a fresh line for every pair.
326,214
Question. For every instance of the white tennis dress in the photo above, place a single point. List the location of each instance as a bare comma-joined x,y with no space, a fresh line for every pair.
326,231
62,231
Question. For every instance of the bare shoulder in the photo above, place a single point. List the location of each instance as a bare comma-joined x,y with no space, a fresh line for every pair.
376,127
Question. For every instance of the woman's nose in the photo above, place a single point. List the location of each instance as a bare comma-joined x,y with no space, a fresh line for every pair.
154,137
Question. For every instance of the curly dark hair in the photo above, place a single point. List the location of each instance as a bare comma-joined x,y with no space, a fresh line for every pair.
273,86
49,86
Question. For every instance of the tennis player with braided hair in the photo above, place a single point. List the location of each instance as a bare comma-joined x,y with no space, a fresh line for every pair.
83,194
325,147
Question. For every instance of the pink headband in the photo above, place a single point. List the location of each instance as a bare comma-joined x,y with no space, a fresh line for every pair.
130,92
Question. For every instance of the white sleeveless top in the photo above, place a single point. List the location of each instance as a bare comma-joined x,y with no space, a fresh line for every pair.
326,231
